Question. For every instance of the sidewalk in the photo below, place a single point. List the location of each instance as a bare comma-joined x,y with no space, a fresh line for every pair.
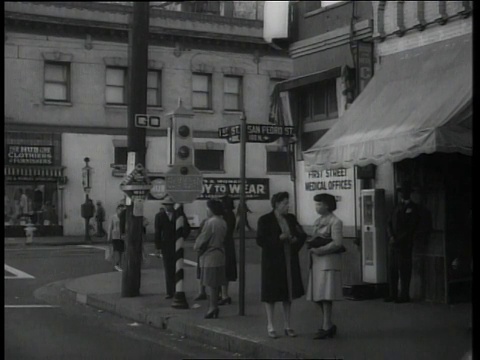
366,329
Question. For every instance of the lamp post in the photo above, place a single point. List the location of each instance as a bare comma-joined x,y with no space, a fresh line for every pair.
87,208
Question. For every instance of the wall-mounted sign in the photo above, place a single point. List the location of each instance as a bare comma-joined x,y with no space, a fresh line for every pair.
29,155
255,189
329,180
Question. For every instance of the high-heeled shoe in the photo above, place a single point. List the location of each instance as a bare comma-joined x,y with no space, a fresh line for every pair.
272,334
212,314
323,334
290,332
225,301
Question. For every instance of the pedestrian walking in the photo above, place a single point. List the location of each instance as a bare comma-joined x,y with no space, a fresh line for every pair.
281,237
100,218
210,243
202,295
325,277
230,255
115,237
403,228
239,212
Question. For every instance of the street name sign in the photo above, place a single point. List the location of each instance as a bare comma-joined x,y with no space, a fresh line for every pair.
256,133
147,121
184,188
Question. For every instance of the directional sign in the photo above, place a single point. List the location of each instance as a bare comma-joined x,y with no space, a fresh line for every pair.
136,184
147,121
256,133
184,187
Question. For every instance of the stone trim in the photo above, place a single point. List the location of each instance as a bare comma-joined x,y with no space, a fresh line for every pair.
275,148
155,65
209,145
57,56
203,68
115,61
279,74
233,70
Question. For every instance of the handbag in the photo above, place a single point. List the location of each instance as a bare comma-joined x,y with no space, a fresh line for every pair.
321,241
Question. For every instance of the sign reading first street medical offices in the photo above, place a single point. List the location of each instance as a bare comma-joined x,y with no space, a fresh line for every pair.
256,133
29,155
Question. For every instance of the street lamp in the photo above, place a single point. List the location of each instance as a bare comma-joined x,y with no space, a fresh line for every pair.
87,208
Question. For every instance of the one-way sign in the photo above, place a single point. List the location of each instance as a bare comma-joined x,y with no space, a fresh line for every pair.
256,133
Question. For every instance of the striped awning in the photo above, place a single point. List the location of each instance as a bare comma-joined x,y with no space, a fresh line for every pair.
42,171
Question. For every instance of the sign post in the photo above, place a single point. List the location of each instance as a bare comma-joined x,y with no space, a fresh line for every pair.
243,148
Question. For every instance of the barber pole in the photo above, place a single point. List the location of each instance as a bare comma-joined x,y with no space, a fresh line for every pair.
179,300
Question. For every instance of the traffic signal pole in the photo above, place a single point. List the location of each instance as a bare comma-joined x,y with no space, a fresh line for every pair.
137,104
243,148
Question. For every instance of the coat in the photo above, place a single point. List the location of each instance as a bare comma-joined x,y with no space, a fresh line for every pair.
165,232
274,267
230,255
405,226
328,226
211,242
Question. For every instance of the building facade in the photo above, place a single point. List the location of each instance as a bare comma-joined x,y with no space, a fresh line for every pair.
66,68
412,122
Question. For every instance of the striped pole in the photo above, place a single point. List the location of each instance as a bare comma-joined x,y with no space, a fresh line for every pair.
179,300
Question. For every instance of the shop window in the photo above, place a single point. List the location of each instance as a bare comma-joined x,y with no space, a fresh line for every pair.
202,91
209,160
204,7
277,162
57,81
116,85
120,155
319,101
232,93
154,88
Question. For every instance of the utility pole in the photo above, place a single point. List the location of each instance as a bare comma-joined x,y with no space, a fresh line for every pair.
137,104
243,214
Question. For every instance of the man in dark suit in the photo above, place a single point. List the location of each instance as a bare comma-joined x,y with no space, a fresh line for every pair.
403,229
165,238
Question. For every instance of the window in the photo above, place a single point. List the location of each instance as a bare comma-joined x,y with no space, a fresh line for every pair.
154,88
232,93
120,155
277,162
209,160
319,101
202,91
57,81
116,85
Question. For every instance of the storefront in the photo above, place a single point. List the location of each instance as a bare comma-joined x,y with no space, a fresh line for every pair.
34,182
414,122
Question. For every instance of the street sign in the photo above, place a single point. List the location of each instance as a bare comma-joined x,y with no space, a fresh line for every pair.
184,187
256,133
147,121
158,189
136,184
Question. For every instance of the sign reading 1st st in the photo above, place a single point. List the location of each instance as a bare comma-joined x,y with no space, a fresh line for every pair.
256,133
147,121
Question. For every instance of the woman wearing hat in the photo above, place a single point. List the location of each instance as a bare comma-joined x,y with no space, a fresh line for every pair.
325,278
281,237
210,243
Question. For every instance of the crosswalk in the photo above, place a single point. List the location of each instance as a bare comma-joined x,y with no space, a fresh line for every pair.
17,274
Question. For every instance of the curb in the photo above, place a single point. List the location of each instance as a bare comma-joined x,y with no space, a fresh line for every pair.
249,347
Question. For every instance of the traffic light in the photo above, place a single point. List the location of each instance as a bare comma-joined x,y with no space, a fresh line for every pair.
181,150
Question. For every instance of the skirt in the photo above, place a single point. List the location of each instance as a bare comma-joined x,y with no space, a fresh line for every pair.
213,276
325,285
118,245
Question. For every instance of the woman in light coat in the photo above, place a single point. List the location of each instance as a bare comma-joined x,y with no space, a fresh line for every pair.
325,278
210,243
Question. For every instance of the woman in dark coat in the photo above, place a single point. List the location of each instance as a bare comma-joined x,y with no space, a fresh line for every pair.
230,256
281,237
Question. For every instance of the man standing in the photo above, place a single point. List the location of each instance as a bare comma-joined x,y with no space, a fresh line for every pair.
165,241
100,218
402,230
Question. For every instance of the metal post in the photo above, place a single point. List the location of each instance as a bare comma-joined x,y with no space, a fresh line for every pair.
179,300
137,104
243,148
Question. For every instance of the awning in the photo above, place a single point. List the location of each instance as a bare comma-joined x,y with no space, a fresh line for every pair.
419,102
37,171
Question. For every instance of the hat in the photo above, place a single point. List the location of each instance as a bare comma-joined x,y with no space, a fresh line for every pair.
168,201
215,207
405,188
327,199
99,202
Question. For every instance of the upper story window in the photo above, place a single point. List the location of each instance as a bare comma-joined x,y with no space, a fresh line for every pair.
154,88
209,160
202,91
116,86
277,162
205,7
232,93
319,101
57,81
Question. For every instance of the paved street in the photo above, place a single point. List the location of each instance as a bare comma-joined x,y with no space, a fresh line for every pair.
39,325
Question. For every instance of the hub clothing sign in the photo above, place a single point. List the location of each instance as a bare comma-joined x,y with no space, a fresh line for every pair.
29,155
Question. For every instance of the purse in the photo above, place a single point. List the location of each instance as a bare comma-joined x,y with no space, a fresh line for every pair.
321,241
